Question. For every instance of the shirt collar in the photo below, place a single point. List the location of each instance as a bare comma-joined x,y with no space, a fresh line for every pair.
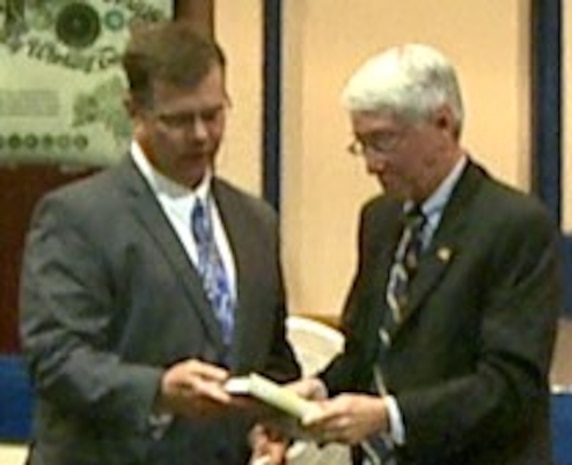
162,185
436,202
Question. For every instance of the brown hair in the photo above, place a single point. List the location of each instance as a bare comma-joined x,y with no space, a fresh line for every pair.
169,51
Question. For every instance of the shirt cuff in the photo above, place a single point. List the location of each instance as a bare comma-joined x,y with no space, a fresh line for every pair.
396,426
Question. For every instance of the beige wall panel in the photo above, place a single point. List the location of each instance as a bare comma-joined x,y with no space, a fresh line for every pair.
238,26
323,187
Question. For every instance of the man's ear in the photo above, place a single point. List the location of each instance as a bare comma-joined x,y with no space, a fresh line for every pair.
444,120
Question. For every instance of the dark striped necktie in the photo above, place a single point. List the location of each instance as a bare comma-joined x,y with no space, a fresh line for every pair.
379,450
405,264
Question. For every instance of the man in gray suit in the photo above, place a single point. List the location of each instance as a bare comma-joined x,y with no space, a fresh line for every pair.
450,320
145,286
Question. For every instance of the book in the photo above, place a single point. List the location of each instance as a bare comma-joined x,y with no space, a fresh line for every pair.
272,394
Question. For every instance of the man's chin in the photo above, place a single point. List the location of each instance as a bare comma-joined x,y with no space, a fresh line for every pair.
391,190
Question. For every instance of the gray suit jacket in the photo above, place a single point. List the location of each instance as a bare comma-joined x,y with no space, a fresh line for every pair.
109,299
469,364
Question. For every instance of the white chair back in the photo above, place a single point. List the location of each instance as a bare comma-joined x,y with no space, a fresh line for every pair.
315,344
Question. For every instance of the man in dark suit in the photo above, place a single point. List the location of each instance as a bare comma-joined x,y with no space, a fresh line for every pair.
129,339
449,343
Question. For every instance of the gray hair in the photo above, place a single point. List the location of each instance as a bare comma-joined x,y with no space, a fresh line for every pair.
409,82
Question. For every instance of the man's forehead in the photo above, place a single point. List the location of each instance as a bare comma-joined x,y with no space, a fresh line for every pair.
189,98
367,120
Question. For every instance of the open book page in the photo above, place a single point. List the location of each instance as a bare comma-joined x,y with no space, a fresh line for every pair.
289,407
271,393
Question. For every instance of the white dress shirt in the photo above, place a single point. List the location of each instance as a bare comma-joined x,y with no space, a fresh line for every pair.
177,202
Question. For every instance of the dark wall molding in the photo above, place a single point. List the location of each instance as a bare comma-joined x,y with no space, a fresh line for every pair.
546,98
272,82
547,121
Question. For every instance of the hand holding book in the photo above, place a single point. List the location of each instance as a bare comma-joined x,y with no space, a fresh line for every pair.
283,407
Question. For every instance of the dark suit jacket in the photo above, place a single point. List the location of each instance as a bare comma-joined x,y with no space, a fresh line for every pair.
109,298
469,363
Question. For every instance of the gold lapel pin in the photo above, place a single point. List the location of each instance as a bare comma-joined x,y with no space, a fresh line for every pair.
444,254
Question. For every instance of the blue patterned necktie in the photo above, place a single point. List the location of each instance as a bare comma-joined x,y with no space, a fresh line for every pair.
211,267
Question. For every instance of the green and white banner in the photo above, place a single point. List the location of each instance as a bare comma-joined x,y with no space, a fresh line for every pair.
61,84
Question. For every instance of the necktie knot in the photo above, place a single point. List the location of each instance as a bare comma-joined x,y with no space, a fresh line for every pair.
412,242
415,218
200,224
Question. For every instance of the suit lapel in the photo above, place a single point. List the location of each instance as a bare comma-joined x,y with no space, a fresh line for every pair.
242,245
381,241
386,256
148,211
446,243
432,267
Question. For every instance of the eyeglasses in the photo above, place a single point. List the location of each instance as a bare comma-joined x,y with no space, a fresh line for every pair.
382,142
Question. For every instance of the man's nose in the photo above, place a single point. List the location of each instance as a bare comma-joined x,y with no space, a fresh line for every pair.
374,165
197,128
